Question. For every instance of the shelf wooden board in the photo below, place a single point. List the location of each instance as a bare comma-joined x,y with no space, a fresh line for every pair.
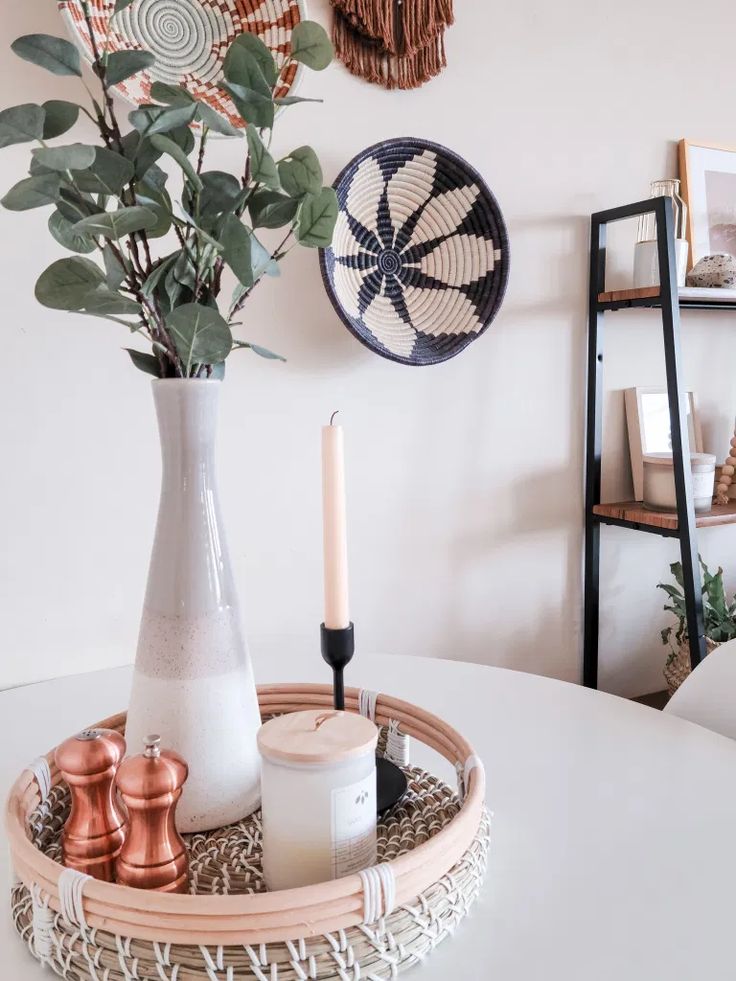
634,511
689,295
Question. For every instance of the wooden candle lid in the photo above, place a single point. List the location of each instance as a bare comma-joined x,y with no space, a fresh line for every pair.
317,736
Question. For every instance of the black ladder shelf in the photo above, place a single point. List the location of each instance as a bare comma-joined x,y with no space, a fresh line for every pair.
682,525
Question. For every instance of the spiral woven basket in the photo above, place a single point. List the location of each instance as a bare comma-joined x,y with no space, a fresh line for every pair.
189,38
419,260
434,844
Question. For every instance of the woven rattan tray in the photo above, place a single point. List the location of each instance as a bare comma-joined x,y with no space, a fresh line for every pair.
434,842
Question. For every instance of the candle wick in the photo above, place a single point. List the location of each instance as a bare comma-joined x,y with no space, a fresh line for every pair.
332,417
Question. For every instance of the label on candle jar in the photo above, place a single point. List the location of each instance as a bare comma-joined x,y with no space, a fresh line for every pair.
354,827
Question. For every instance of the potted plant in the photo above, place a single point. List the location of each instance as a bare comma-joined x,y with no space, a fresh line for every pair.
154,260
719,618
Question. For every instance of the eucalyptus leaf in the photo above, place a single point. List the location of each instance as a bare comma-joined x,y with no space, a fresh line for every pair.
171,95
220,192
301,173
114,270
236,240
32,192
154,278
183,137
52,53
145,362
76,156
61,229
73,205
262,54
200,335
160,119
123,64
262,167
67,282
21,124
116,224
316,219
212,119
254,107
269,209
311,46
141,152
108,173
103,302
121,5
167,146
59,117
242,67
293,100
262,352
261,261
159,203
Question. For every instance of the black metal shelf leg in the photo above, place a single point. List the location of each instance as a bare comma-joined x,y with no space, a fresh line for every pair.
687,532
594,436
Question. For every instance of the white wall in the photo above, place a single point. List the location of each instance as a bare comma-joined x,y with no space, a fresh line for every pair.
464,479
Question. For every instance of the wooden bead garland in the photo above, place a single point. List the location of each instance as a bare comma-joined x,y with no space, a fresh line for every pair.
727,472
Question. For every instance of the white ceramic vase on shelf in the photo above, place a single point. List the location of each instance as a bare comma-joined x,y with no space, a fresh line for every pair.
193,682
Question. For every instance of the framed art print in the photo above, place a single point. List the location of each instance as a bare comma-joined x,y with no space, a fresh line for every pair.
648,422
708,177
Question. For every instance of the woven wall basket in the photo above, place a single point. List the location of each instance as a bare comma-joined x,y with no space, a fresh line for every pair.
419,260
189,38
433,843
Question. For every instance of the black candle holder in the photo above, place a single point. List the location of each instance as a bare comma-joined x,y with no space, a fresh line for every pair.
338,647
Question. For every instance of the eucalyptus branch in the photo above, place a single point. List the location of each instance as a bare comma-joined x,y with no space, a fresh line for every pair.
237,307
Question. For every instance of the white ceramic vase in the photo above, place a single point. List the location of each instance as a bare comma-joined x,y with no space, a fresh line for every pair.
193,681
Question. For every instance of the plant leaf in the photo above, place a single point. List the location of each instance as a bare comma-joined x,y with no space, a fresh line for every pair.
262,167
121,5
52,53
165,145
262,54
74,205
159,202
262,352
61,229
171,95
242,67
161,119
21,124
103,302
154,278
116,224
311,46
212,119
269,209
252,105
122,64
292,100
200,334
114,270
66,283
76,156
236,240
316,219
108,173
261,261
220,193
59,117
32,192
301,173
145,362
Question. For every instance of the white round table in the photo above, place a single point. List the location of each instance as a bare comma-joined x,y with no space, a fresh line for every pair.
614,828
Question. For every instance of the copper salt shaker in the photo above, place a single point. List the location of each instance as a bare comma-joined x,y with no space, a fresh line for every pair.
95,830
154,855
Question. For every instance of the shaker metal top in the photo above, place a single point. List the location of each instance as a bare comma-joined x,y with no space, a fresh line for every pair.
317,736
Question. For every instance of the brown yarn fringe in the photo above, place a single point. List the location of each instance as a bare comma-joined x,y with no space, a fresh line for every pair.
395,43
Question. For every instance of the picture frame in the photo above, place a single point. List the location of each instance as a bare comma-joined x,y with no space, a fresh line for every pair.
708,186
648,423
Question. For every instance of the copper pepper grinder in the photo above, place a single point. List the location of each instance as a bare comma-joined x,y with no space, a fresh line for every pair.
95,830
154,855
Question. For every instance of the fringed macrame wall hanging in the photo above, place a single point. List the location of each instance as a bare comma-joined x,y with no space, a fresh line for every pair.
395,43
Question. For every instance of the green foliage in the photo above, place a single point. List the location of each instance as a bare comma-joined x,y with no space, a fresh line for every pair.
52,53
112,198
719,616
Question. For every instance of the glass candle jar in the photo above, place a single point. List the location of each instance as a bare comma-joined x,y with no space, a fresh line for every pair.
659,481
318,792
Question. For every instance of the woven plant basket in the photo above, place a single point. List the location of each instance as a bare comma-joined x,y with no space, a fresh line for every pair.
677,667
434,844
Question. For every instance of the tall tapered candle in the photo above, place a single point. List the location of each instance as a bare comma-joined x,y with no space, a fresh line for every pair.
337,614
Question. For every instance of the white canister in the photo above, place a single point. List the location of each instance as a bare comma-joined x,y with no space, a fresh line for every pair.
318,793
646,263
659,481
